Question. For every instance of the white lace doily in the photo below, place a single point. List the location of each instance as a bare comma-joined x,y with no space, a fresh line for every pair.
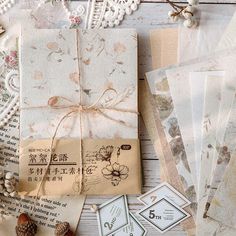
109,13
11,106
5,5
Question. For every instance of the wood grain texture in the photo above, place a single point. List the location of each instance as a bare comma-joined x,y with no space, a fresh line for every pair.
149,16
201,1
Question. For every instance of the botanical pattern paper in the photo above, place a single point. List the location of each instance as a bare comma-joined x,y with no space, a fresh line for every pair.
216,62
159,87
99,87
224,153
183,110
157,135
198,88
210,122
223,205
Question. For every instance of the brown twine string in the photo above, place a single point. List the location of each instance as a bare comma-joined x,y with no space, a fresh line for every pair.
78,108
176,7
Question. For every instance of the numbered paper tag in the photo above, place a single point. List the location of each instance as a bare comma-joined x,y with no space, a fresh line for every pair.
113,216
166,191
163,215
133,229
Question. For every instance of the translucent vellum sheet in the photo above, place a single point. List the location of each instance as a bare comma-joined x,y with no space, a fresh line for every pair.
164,52
183,109
154,126
223,206
224,153
227,41
198,42
198,86
210,122
218,62
159,88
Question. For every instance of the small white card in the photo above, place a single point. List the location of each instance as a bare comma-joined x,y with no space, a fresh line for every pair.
135,228
163,215
164,190
113,216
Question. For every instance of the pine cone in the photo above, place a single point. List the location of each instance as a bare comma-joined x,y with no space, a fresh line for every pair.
25,226
63,229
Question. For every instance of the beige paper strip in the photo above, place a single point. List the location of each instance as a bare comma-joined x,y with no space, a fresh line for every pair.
164,47
110,166
164,53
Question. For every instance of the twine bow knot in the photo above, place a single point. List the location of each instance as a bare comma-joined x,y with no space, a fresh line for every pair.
59,102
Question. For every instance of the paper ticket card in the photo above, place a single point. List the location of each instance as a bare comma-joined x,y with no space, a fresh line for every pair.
163,215
135,228
164,190
113,216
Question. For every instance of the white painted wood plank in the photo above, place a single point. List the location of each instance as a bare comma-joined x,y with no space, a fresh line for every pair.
201,1
185,1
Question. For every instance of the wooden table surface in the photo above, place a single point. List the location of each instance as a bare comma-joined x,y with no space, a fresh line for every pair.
151,14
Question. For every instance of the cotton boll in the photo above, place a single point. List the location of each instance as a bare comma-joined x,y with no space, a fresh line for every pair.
190,23
193,2
195,23
187,15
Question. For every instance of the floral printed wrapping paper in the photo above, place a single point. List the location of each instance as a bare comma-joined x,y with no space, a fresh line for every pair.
81,87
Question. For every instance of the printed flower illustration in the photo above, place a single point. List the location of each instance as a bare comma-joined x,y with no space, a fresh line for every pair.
104,154
178,151
75,21
177,146
174,127
164,105
115,173
224,155
11,59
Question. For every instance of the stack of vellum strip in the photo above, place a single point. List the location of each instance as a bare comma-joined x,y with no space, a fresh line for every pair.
189,111
171,171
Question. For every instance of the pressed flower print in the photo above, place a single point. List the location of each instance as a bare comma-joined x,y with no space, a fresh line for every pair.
105,153
11,59
115,173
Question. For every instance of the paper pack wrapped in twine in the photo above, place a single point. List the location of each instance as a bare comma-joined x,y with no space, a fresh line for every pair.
55,103
132,164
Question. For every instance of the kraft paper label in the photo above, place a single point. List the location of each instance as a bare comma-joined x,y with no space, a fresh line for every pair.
109,166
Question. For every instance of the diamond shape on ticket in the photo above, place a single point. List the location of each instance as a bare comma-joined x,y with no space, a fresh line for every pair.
113,216
134,228
163,215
